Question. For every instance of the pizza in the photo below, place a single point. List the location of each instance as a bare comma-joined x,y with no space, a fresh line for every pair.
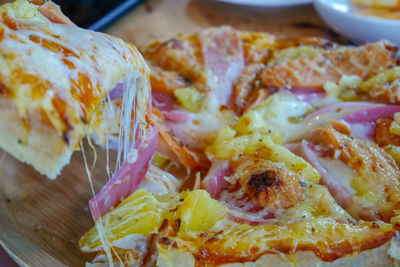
249,149
271,152
57,83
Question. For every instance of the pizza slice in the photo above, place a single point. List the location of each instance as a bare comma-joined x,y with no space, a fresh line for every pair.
58,83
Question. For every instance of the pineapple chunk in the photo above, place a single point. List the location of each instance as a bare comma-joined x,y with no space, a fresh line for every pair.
346,89
395,126
140,213
382,78
199,212
332,89
189,99
160,160
143,213
225,133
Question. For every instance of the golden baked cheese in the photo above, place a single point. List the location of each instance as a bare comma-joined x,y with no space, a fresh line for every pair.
53,79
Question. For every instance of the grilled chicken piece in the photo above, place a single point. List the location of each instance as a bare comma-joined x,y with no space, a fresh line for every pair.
314,71
179,54
369,179
269,184
245,86
163,81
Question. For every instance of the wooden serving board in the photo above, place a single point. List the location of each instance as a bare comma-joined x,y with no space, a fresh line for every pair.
41,220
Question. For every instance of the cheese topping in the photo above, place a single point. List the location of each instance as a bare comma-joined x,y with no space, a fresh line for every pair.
60,70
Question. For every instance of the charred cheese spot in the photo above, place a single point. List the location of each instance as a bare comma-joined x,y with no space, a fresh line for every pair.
269,184
258,182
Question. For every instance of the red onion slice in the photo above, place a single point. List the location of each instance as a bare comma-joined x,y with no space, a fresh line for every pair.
363,122
342,196
214,181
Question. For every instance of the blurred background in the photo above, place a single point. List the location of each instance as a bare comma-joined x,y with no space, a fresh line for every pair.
93,14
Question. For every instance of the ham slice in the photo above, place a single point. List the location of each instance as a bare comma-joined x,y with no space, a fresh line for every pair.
53,13
127,179
224,59
214,181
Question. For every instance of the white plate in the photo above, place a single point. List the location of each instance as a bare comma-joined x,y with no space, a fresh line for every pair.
268,3
340,16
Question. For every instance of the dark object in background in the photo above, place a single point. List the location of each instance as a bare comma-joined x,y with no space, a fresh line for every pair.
95,14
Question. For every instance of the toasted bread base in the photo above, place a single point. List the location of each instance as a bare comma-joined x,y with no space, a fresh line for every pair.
37,144
372,257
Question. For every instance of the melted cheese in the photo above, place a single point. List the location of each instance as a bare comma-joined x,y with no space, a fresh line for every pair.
63,70
276,114
342,173
202,127
244,243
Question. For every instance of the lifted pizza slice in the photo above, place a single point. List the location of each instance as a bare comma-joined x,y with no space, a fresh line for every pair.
56,81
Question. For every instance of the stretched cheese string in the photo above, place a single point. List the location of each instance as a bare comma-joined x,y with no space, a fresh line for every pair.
128,106
99,226
108,109
106,244
124,149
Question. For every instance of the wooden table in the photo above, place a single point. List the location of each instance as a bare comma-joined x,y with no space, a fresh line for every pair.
41,220
161,19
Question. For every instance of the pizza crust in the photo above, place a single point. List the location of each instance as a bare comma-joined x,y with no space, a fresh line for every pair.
43,148
373,257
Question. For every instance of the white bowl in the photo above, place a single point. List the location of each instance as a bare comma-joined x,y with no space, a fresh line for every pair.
268,3
340,16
